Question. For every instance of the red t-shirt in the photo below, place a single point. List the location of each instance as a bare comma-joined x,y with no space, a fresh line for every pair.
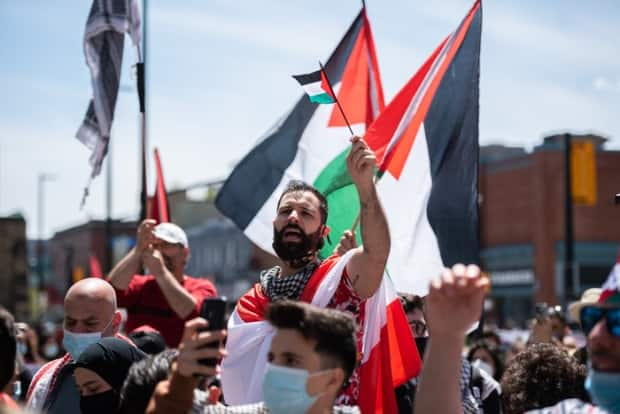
147,305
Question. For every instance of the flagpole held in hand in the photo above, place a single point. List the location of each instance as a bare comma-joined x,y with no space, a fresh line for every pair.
331,91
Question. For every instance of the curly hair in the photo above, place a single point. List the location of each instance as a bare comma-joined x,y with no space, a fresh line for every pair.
541,376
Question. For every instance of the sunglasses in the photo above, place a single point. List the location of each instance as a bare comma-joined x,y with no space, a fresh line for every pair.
419,327
591,315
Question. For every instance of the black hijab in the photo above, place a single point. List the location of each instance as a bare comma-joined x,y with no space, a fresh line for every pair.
110,358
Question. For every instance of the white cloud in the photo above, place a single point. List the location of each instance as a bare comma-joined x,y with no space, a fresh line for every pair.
603,84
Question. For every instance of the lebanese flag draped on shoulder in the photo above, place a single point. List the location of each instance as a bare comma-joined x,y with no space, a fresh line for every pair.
426,141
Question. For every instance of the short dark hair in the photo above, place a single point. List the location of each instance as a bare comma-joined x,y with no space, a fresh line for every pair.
412,302
150,342
142,379
8,345
294,186
541,376
333,330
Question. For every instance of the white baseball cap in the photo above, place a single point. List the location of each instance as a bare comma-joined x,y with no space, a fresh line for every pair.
171,233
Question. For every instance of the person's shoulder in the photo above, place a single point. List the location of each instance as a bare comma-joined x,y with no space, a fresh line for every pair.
198,281
570,406
51,366
330,260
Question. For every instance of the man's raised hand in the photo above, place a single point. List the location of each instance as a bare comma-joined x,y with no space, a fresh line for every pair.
361,163
193,347
454,302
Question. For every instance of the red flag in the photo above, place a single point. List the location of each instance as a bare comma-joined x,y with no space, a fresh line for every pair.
95,267
159,202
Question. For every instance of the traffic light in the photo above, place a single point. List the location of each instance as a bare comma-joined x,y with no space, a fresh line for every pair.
583,172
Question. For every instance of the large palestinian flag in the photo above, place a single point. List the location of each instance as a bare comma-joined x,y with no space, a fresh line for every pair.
310,144
426,142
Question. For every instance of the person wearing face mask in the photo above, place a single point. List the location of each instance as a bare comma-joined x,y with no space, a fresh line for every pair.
167,297
311,357
29,360
601,323
299,227
100,372
90,314
480,392
486,357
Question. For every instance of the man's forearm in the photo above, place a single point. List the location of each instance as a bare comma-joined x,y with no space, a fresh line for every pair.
375,240
121,274
174,395
181,302
440,371
374,226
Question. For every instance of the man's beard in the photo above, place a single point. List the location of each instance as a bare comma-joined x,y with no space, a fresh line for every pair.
297,253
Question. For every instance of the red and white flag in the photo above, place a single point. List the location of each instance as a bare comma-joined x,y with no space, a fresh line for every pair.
159,208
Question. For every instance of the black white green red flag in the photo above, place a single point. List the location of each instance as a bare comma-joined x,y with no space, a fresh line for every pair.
316,86
311,144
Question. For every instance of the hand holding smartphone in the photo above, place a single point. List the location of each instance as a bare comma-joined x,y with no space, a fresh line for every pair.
213,310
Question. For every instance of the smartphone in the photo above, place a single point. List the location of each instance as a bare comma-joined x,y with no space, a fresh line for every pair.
214,311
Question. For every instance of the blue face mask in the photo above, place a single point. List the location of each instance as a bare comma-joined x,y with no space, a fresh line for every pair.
22,348
284,390
76,343
604,388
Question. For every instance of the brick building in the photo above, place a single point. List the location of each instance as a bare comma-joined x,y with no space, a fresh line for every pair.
522,224
71,249
14,266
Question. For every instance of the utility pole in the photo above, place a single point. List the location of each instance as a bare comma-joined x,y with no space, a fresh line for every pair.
568,225
41,179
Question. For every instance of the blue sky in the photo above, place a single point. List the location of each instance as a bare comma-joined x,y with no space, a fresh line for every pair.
219,77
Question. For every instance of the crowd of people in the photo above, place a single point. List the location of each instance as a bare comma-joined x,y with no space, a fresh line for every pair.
293,346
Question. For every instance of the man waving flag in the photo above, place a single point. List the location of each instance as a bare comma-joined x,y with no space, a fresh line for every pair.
311,145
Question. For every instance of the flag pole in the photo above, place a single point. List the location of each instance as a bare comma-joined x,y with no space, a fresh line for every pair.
141,84
331,91
141,96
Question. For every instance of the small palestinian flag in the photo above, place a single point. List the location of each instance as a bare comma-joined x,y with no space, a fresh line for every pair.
317,87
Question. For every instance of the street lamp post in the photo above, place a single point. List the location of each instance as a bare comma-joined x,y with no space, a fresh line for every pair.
42,179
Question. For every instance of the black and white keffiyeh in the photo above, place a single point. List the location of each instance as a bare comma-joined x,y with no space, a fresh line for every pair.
103,49
289,287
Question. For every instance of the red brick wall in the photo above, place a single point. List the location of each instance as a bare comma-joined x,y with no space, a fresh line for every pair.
523,202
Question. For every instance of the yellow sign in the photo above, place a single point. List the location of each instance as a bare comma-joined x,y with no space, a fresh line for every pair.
583,172
78,273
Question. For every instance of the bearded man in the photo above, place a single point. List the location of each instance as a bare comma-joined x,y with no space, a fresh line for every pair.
339,282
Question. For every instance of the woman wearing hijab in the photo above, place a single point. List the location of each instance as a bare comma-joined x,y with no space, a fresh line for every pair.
100,372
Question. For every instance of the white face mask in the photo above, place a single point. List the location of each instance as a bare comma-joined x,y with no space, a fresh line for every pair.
76,343
480,364
50,350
